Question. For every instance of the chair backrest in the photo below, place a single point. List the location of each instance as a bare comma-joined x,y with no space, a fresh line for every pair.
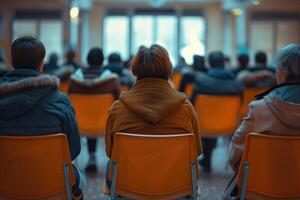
154,166
124,89
249,95
91,112
32,167
176,78
189,89
218,115
274,163
64,86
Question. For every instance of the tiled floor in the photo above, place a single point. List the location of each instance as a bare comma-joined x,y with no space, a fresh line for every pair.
212,185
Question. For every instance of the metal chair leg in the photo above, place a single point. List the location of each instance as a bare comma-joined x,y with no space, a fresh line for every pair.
194,179
245,179
113,184
67,181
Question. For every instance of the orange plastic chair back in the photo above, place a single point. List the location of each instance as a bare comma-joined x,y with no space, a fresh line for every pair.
274,163
153,167
176,78
32,167
249,95
189,89
91,112
124,89
64,87
218,115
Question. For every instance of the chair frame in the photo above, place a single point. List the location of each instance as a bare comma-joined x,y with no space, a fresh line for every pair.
114,180
244,182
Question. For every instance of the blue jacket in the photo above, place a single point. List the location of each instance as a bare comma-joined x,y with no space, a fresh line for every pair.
30,104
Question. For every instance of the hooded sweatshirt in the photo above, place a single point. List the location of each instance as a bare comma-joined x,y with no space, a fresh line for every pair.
152,106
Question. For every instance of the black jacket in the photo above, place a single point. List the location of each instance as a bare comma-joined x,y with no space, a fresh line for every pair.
30,104
217,81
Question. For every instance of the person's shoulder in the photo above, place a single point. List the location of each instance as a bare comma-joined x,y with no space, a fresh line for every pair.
59,98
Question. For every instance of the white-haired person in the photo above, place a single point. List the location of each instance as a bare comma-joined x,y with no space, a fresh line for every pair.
276,111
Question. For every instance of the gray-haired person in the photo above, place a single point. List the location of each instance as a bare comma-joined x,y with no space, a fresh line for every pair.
276,111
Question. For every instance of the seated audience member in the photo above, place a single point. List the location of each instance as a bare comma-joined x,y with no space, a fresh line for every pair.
181,65
52,64
243,64
94,80
259,75
152,106
189,73
30,102
116,66
71,62
217,81
276,111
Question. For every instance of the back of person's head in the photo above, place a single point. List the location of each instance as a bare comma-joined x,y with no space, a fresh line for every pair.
95,57
152,62
287,61
53,58
27,52
261,58
198,62
71,54
114,58
216,59
243,60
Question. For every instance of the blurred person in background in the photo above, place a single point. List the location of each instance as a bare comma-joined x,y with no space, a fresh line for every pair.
52,64
276,111
217,81
243,63
94,80
116,66
71,60
31,103
260,75
189,73
181,65
3,68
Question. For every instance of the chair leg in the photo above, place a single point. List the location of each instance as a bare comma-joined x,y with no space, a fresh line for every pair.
113,184
67,181
245,179
194,181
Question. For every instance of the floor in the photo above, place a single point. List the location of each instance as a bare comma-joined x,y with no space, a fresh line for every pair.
212,185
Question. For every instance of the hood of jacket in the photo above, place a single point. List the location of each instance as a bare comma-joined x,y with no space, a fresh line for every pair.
22,89
285,104
152,99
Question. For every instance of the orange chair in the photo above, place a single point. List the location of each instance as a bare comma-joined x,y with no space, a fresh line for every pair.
35,167
218,115
91,112
124,89
176,78
64,87
189,89
249,95
270,166
152,167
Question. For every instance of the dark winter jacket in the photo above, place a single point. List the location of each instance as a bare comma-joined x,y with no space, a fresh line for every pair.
30,104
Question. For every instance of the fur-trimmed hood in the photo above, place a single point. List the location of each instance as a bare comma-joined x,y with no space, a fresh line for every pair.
21,90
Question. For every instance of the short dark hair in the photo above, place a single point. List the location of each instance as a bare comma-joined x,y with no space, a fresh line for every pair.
243,59
95,56
216,59
261,58
27,52
114,58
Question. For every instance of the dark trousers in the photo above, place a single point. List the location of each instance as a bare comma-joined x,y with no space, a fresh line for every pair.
208,146
92,144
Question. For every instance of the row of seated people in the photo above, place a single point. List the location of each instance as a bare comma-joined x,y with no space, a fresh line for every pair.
31,104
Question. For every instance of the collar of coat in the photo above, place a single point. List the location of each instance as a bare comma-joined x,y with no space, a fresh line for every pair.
265,93
29,83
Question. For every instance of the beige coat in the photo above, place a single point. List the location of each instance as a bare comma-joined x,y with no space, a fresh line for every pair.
277,113
152,106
